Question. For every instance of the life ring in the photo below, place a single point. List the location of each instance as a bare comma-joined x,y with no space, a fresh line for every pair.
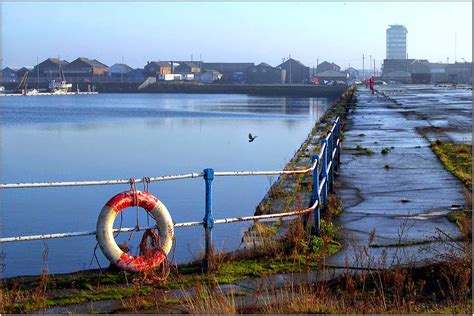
105,234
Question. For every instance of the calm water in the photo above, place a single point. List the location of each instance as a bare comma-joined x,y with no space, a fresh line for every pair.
119,136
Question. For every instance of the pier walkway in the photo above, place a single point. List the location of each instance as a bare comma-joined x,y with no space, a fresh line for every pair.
397,199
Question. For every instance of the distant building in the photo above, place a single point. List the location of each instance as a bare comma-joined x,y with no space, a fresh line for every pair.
21,72
420,72
398,76
187,67
210,76
84,69
119,72
390,65
396,42
155,68
264,74
325,66
295,71
459,72
352,73
136,75
331,75
49,69
170,77
8,75
231,72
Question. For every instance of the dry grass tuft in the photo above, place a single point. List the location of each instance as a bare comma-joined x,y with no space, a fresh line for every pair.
208,299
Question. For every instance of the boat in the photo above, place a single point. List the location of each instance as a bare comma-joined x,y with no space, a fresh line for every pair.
31,92
59,86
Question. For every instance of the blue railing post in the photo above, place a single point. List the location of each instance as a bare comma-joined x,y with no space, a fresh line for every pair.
338,128
315,196
331,170
324,172
208,220
336,137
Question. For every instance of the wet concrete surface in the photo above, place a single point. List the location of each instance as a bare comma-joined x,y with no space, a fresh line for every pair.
86,308
400,197
439,107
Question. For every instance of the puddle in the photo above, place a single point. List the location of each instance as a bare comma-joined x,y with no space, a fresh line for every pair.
425,216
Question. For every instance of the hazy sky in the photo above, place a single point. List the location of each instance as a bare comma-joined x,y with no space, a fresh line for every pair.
253,32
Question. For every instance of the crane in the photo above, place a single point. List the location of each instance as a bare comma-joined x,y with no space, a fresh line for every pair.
23,85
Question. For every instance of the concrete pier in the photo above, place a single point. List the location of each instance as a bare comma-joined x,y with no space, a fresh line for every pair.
394,189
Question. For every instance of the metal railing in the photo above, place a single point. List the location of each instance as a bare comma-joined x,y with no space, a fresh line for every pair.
323,166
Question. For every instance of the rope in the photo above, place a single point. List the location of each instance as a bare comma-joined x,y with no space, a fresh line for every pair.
146,183
133,188
94,255
120,226
149,245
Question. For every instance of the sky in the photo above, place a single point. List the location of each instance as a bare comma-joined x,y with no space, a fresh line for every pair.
311,32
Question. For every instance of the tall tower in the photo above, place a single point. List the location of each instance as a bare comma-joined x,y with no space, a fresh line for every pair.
397,42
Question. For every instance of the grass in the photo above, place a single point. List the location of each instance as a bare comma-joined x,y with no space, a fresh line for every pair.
295,251
402,244
443,287
360,150
385,151
457,159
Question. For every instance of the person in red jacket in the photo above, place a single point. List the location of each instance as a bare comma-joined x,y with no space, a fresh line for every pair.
371,83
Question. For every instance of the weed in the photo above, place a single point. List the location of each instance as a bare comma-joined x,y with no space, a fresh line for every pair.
209,300
385,151
361,150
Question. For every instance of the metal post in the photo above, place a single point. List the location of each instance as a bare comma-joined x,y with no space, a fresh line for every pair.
331,171
338,147
328,157
324,172
336,137
208,220
315,197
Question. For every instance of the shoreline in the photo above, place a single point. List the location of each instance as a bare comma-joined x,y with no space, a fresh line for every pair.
275,90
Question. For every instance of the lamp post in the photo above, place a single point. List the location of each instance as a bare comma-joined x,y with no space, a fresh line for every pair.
370,63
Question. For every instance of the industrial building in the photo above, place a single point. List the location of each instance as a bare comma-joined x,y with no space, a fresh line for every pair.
397,42
231,72
84,69
263,73
49,69
156,68
296,72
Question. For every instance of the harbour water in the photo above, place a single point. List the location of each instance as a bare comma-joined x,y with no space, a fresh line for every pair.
121,136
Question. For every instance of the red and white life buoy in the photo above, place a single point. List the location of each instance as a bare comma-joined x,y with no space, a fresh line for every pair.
105,234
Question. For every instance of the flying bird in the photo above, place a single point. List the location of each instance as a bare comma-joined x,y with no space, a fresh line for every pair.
251,138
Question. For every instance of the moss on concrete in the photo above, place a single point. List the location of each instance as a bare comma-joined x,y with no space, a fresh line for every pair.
457,159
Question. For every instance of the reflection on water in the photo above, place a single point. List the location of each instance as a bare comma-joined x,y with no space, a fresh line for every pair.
112,136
